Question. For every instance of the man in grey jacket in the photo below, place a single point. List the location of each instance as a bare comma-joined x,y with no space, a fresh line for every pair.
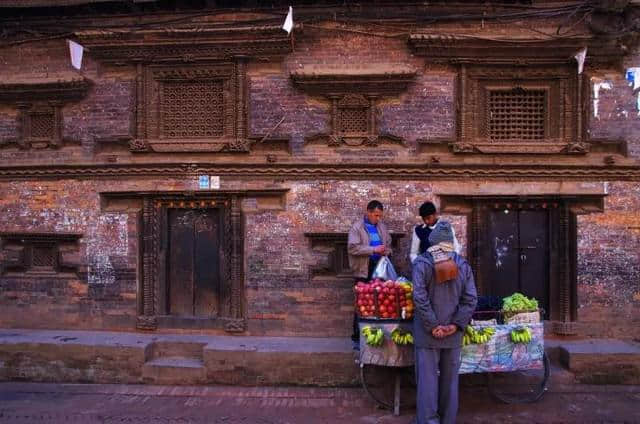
443,310
368,241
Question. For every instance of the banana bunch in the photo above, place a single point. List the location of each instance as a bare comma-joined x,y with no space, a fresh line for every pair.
480,336
400,337
375,336
521,335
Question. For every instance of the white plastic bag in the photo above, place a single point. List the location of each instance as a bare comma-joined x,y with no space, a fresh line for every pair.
384,270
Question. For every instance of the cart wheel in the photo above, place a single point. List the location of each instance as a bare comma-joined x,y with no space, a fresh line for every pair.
379,383
523,386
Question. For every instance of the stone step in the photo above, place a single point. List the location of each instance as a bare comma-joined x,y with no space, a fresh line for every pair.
159,349
134,357
300,361
602,361
174,370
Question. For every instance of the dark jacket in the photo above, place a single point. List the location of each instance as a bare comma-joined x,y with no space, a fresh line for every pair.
451,302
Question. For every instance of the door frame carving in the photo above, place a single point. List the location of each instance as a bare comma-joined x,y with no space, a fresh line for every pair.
154,283
148,205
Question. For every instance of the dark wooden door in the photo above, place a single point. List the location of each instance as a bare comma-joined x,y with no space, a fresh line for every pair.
193,262
516,254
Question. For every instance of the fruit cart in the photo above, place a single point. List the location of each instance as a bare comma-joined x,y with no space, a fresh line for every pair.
511,353
386,363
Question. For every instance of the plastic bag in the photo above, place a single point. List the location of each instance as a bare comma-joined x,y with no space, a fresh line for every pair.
384,270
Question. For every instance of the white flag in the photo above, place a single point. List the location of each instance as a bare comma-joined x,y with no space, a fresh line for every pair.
288,22
580,56
75,50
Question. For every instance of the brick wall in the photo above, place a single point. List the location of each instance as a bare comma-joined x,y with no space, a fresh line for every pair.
617,115
282,299
103,294
609,265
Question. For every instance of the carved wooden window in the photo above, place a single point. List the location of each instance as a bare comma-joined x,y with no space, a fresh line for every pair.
192,108
354,93
39,253
40,109
516,114
331,248
41,126
514,109
353,115
43,256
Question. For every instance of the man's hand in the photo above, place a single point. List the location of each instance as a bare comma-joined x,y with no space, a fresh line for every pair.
450,329
438,332
442,331
380,250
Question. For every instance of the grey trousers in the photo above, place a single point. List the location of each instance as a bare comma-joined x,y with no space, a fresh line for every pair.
437,398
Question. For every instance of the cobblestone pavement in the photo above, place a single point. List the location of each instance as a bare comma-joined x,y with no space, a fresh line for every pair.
109,404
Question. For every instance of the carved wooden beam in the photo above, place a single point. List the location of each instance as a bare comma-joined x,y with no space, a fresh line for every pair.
185,44
314,170
65,89
465,48
383,79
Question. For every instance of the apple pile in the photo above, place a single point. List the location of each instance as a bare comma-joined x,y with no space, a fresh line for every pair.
384,299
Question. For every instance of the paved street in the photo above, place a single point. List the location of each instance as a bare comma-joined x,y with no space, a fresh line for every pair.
57,403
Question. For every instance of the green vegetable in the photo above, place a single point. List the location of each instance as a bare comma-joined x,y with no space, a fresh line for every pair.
518,302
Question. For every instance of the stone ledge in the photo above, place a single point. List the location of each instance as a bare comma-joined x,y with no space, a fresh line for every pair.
127,357
602,361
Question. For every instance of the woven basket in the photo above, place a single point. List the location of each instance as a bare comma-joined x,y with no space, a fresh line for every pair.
522,318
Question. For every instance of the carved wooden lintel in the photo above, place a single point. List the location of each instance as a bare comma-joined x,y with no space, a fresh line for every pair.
547,171
185,45
63,90
379,80
354,140
467,49
578,148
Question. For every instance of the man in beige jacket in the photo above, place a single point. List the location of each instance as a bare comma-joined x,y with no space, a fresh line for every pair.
368,241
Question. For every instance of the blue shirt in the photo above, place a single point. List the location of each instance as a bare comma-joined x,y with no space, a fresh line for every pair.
374,237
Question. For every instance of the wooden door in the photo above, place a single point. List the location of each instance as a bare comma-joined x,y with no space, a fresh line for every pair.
193,262
516,254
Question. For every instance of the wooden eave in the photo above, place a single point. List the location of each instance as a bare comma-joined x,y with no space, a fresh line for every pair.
471,49
185,44
69,89
384,79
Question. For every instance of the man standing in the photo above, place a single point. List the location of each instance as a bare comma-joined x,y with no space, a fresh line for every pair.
368,241
420,236
443,310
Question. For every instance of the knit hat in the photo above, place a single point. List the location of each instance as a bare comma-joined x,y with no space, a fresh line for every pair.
441,233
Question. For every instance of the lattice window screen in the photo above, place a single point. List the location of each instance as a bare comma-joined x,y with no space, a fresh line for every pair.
517,114
43,256
353,120
43,125
192,109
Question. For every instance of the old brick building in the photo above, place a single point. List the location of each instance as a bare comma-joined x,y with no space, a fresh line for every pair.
201,170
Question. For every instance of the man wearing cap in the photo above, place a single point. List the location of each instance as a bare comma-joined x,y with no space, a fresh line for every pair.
420,236
444,301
